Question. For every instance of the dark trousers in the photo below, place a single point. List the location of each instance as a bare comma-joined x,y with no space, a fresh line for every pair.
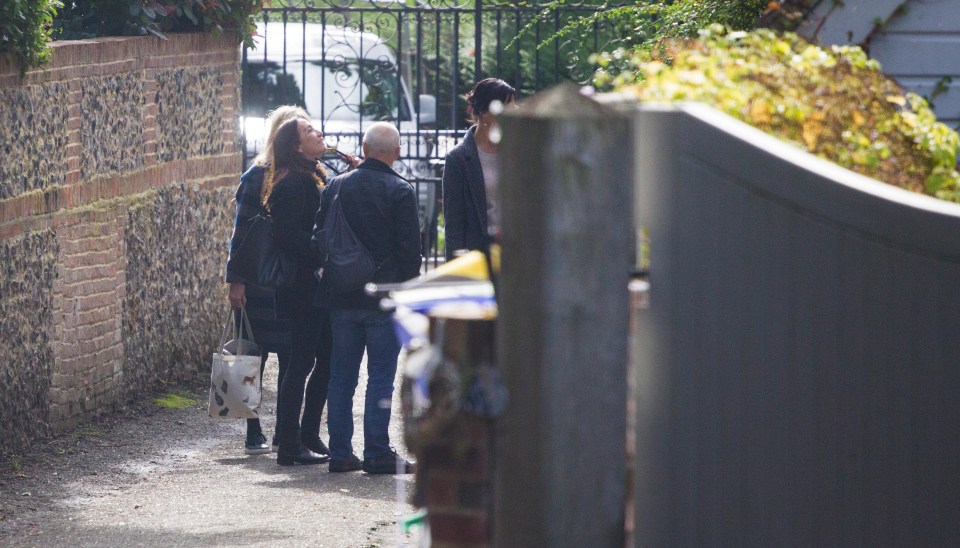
283,357
311,343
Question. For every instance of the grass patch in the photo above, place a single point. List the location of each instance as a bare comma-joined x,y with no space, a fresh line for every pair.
90,431
171,400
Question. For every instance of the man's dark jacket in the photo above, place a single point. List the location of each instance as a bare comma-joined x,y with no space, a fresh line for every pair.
381,208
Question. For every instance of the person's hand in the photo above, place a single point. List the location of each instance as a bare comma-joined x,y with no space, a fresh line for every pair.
238,295
351,160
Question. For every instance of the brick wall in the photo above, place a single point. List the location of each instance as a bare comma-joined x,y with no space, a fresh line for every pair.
117,166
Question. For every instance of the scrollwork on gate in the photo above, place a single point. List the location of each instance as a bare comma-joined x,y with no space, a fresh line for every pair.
397,5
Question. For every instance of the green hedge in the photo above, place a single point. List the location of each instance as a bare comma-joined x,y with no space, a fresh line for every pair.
25,30
90,18
26,26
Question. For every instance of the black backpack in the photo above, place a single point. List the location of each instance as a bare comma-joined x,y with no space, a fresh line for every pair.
348,266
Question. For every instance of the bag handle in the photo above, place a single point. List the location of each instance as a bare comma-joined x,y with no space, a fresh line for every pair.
262,216
246,323
231,318
226,330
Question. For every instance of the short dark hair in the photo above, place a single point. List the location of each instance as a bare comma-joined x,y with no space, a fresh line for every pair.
485,92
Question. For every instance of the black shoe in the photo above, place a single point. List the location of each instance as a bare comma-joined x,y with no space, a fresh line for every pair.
274,445
304,456
256,445
349,465
315,445
391,463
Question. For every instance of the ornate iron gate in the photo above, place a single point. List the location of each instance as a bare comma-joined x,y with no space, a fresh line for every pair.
352,62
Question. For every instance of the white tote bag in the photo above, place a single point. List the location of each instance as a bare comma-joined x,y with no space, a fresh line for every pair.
235,381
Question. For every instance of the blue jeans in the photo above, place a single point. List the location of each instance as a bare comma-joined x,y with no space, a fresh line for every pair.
356,330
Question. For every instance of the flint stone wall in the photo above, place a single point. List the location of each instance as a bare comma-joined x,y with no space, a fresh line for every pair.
117,167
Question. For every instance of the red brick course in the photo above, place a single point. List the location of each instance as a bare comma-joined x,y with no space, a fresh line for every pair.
455,464
459,530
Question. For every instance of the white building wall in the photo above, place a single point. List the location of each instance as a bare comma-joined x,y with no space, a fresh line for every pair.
918,43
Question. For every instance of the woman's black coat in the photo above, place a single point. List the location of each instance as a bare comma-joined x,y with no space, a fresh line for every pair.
293,203
464,198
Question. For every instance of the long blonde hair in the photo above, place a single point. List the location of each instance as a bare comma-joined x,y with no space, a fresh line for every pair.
276,118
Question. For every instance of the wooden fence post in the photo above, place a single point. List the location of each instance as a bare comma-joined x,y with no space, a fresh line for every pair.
567,212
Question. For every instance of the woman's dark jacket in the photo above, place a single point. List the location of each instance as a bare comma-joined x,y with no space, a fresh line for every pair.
381,209
293,202
269,332
464,198
248,205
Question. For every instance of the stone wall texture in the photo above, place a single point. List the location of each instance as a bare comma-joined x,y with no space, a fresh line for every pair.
28,268
32,136
117,166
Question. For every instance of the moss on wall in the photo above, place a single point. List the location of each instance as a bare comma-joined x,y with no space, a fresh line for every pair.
111,128
190,119
28,267
176,245
33,138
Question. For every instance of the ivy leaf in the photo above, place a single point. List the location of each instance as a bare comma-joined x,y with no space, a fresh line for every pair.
188,11
934,182
898,100
811,133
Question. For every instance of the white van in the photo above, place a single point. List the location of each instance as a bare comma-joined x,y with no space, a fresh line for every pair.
346,79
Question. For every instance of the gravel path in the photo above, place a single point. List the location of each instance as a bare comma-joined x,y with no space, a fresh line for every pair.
148,476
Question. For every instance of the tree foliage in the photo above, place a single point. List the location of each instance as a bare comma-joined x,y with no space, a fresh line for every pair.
646,22
90,18
833,102
25,30
27,26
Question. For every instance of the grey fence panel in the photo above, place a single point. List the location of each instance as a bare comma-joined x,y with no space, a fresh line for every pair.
797,367
561,474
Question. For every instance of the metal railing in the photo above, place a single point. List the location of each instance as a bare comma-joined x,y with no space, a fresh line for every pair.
351,62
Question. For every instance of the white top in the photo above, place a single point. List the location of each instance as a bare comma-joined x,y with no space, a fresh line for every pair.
488,164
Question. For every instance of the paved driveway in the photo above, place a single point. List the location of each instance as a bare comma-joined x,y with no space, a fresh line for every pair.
152,477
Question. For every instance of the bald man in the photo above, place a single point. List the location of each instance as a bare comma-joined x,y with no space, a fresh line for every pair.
381,209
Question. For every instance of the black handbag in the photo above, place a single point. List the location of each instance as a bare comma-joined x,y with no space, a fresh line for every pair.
259,260
348,266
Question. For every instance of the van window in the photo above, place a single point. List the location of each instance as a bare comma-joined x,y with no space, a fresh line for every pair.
335,90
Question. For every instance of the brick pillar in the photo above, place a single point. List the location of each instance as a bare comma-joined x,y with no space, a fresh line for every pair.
454,444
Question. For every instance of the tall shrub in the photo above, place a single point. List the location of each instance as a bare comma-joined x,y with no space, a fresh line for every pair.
833,102
89,18
25,27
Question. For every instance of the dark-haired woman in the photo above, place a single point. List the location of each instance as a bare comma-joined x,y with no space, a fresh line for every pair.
470,172
271,333
292,193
